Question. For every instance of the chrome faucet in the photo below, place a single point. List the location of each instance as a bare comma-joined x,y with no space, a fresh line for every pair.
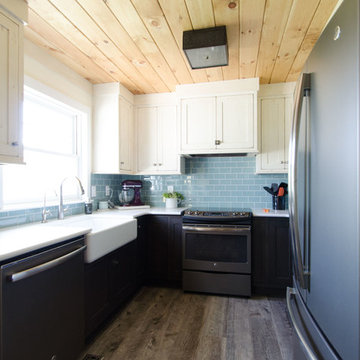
45,212
61,201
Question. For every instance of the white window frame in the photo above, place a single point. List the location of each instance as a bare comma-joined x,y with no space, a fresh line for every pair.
49,96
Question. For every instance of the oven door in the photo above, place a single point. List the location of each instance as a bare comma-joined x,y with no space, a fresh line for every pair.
225,248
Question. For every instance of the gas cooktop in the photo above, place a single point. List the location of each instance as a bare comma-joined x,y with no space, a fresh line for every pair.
191,215
219,213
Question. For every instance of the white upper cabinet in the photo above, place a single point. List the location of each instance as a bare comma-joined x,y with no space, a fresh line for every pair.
225,121
11,88
147,139
198,124
113,129
157,135
168,156
275,116
235,128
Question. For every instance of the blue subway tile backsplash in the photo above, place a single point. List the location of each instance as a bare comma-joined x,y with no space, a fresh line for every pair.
208,183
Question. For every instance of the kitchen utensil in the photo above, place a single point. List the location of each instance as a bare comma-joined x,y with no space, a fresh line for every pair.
268,190
281,191
274,188
285,186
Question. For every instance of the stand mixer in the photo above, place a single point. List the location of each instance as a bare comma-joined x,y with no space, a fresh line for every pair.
130,193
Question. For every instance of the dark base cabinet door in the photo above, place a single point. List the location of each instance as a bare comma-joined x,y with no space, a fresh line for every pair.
142,222
175,250
157,249
271,261
109,282
164,250
122,271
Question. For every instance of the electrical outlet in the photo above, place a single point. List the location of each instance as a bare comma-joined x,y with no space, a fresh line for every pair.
107,190
170,188
93,191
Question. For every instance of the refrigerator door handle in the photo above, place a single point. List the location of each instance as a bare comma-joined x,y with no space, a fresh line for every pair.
308,352
302,89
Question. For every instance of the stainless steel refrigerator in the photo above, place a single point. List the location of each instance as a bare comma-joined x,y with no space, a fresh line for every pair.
324,194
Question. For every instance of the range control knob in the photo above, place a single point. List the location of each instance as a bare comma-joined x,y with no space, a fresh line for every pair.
196,213
235,214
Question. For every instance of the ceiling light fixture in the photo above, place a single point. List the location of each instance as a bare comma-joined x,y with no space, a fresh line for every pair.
206,48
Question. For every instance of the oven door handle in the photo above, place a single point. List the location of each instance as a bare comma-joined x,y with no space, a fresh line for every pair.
217,229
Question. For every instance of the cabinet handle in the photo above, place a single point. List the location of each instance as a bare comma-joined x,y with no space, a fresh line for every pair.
15,143
284,162
217,142
160,164
155,164
121,163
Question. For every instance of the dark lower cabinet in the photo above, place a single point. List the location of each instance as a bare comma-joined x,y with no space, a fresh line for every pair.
142,223
109,282
271,261
163,250
153,258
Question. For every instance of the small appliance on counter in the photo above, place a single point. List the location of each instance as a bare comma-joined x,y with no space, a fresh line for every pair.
130,195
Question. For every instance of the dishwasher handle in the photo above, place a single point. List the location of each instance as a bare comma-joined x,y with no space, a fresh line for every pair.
45,266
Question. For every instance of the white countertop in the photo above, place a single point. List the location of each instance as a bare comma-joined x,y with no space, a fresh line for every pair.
270,213
19,240
139,212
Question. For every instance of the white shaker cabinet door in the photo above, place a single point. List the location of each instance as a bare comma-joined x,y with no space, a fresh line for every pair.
126,135
11,90
272,133
106,134
198,124
168,157
235,123
147,139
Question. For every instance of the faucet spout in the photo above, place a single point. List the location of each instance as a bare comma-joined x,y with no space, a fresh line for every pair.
61,200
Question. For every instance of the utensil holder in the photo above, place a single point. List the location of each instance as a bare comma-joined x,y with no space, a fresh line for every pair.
278,202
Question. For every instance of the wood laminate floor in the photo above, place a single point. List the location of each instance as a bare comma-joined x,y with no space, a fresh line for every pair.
167,324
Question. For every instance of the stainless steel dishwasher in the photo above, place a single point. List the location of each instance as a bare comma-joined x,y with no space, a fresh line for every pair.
42,302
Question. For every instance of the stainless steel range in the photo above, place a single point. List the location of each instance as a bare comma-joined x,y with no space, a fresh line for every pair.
217,251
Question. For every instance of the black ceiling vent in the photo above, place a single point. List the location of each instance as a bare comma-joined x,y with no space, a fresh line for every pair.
206,48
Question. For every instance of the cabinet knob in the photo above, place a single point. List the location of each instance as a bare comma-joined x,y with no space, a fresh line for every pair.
160,164
121,163
14,143
217,142
155,164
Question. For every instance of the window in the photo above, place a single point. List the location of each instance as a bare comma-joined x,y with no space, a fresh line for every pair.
54,139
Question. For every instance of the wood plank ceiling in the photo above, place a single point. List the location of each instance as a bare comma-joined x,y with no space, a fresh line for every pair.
139,42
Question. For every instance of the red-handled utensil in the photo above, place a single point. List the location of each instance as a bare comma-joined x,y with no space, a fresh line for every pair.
281,191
